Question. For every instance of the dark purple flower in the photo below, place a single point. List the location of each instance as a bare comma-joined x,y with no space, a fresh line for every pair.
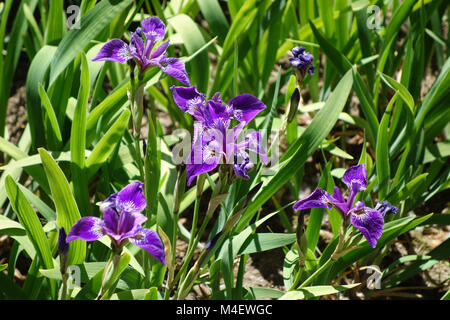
122,222
142,50
215,113
302,61
63,246
368,221
214,142
386,208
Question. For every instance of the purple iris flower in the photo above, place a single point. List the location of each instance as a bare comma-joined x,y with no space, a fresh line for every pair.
302,61
214,141
142,50
122,222
368,221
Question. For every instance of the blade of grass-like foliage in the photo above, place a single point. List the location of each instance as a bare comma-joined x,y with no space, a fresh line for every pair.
305,145
17,154
107,143
215,17
260,242
193,40
316,291
40,205
54,126
56,22
439,253
342,64
401,89
398,17
92,23
36,74
16,231
25,161
12,58
268,44
78,141
9,289
66,207
382,154
30,221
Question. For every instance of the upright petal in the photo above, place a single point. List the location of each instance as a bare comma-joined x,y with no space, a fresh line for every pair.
114,50
161,49
87,228
254,143
111,221
174,67
318,199
368,221
153,28
109,202
129,224
356,180
131,198
149,241
246,107
356,175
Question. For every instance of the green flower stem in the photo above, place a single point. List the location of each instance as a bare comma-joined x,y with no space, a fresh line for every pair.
316,273
63,294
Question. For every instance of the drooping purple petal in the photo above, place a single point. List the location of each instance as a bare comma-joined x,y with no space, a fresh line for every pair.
174,67
87,228
149,241
246,107
131,198
114,50
385,208
190,100
153,28
318,199
368,221
193,170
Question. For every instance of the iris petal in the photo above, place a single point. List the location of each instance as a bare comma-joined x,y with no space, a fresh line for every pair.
131,198
318,199
87,228
247,106
114,50
174,67
149,241
368,221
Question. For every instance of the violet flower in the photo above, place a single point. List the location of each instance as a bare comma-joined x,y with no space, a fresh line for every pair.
214,142
302,61
368,221
142,50
122,222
